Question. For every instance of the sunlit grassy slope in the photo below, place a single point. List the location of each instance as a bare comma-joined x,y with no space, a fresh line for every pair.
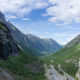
23,66
67,57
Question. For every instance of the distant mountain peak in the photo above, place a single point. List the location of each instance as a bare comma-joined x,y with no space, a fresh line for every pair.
32,36
74,41
43,44
48,39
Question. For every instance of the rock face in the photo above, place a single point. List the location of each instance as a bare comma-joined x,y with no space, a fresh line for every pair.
2,17
73,42
8,47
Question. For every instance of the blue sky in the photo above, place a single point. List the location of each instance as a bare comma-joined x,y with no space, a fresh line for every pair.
55,19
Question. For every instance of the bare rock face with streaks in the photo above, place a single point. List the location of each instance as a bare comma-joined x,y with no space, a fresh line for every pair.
8,47
2,17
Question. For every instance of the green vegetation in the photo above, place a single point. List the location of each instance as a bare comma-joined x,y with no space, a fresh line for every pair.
2,27
67,57
18,66
24,66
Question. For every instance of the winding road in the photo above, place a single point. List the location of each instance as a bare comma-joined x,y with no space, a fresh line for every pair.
52,74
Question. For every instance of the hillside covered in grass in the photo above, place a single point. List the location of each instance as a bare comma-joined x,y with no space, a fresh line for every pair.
67,57
15,64
23,67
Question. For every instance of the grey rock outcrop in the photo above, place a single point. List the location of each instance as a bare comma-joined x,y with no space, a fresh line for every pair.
8,47
2,17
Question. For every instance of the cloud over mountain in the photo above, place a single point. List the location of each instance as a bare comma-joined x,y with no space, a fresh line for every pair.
61,11
21,7
64,11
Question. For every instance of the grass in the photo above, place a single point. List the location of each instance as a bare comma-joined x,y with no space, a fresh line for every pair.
68,57
16,65
2,27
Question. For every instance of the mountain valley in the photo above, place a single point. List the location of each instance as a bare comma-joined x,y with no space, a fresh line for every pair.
23,55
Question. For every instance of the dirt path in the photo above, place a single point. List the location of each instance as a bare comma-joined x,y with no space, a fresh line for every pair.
47,74
52,74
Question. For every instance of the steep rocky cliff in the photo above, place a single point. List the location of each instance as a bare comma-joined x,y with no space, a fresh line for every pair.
2,17
8,47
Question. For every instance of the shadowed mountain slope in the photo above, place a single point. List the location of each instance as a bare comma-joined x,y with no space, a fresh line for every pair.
30,43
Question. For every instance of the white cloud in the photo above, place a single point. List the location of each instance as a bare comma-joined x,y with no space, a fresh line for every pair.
64,38
21,7
53,19
26,19
77,20
63,11
12,17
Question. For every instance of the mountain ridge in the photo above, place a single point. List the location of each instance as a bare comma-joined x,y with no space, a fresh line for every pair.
74,41
46,44
30,43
